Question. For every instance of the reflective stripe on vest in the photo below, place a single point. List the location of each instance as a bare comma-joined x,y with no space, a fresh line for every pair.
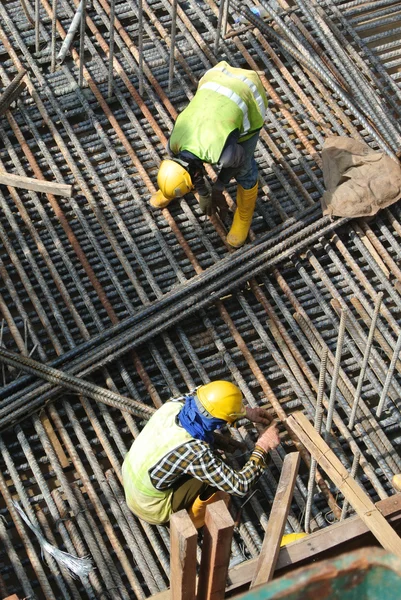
260,98
227,99
224,91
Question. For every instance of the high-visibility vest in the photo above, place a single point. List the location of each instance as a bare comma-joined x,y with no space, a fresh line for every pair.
160,436
227,99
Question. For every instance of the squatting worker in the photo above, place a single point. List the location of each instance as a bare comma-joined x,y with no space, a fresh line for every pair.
172,465
220,126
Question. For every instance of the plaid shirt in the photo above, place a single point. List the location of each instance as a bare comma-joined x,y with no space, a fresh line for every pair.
195,458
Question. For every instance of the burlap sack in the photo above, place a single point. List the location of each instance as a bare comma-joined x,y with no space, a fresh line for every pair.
359,181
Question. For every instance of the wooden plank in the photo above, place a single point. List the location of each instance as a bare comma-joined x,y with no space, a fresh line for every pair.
183,540
278,516
13,597
332,540
36,185
218,533
355,495
55,442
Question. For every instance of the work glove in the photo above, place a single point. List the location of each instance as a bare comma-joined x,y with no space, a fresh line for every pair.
219,203
206,204
269,439
258,415
213,200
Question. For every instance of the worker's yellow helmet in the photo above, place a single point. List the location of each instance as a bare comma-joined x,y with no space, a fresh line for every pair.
173,180
222,400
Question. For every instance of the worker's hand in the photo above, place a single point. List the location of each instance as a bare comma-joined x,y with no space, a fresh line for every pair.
258,415
219,203
269,439
206,204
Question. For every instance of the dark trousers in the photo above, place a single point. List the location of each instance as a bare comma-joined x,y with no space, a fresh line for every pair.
247,175
187,491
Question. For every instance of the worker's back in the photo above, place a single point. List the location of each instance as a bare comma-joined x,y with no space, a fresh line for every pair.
159,436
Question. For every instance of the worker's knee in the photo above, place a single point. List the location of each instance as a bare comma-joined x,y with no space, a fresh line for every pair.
186,493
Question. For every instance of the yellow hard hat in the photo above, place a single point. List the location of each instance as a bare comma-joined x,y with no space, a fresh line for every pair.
222,400
396,481
288,538
173,180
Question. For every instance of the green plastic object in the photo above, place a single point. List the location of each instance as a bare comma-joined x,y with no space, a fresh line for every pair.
367,574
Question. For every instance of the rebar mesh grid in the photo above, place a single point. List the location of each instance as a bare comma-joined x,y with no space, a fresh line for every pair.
72,269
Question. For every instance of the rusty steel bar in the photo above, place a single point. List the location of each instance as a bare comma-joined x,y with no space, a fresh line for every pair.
174,4
160,321
365,360
140,46
334,294
222,6
75,384
317,424
135,529
374,446
153,582
12,91
37,25
336,371
354,468
289,351
225,17
278,409
82,44
111,48
69,265
389,377
53,39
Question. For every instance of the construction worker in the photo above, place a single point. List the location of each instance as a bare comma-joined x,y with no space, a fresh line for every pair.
220,126
172,465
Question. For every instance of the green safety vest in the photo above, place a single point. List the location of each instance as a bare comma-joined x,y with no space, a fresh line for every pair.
227,99
160,436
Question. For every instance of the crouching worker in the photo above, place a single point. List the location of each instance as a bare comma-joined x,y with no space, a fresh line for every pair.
172,466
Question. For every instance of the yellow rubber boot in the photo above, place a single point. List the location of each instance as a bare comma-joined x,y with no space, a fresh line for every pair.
157,200
198,509
246,200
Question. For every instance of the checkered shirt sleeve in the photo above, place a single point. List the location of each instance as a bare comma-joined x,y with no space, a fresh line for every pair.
195,458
